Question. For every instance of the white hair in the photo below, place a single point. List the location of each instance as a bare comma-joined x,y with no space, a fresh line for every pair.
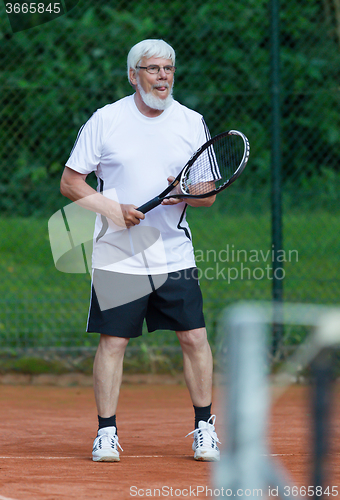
149,48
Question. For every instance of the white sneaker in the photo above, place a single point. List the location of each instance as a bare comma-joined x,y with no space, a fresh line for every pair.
105,446
205,441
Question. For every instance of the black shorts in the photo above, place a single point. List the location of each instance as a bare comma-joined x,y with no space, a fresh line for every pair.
175,305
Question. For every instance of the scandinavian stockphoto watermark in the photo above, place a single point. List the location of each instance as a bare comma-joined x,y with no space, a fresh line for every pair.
24,15
231,263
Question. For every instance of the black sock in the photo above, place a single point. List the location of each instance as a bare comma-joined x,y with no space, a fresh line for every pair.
202,413
107,422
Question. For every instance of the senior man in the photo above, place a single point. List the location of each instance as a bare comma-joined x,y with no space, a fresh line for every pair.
134,146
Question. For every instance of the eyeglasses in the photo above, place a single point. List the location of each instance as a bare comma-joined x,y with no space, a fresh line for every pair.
154,70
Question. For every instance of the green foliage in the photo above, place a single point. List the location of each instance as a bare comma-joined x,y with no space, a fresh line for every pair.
54,76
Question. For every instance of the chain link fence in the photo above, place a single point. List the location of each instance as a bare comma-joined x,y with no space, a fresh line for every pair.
55,75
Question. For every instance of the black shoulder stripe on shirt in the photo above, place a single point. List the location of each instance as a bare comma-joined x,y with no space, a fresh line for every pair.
79,133
210,151
207,133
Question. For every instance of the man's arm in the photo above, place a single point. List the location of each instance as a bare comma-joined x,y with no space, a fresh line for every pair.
73,185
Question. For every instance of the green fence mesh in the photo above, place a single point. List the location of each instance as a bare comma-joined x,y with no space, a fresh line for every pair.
53,76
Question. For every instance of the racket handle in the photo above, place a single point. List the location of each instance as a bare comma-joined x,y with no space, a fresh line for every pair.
150,205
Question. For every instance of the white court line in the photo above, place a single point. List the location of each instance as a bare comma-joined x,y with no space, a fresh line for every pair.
154,456
30,457
81,457
5,498
131,456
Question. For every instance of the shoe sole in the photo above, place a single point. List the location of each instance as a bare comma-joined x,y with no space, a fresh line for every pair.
206,458
106,459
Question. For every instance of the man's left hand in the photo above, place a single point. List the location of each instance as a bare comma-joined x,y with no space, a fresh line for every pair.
176,190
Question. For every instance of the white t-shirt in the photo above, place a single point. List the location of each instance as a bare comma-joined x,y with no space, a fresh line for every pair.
132,156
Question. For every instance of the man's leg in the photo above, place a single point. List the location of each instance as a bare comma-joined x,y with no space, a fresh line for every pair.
197,365
107,373
198,373
107,379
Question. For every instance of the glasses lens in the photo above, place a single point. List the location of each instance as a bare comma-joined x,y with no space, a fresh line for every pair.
153,69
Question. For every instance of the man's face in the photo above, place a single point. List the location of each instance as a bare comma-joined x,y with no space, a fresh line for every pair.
154,89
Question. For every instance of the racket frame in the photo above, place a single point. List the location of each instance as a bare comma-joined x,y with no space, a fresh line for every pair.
178,180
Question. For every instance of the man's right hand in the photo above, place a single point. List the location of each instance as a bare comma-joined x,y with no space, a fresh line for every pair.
74,186
131,216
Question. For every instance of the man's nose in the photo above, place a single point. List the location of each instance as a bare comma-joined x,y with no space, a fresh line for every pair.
162,74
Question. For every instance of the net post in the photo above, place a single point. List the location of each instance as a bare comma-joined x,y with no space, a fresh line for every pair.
246,400
246,462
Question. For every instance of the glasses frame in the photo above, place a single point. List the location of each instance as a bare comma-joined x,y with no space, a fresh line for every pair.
159,68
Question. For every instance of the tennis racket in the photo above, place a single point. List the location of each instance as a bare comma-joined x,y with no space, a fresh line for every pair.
214,167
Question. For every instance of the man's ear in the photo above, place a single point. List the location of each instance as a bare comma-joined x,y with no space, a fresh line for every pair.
133,77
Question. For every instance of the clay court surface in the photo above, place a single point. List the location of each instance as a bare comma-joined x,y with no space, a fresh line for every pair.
47,434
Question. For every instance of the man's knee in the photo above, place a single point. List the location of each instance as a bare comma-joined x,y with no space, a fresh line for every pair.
193,339
113,345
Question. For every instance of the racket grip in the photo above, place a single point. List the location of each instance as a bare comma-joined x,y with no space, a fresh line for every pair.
150,205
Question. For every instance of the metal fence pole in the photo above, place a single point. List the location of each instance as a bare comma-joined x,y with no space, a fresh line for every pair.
276,201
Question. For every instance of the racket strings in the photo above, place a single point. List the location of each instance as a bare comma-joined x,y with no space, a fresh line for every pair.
214,167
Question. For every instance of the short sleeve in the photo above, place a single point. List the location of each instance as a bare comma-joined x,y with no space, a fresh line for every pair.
86,153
